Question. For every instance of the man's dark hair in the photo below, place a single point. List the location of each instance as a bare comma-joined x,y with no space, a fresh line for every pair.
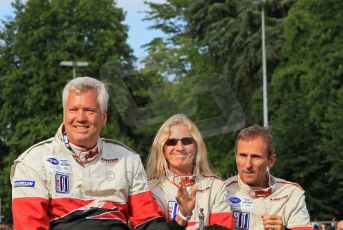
254,131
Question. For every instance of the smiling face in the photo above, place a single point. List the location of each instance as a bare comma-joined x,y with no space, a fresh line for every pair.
83,119
180,157
252,161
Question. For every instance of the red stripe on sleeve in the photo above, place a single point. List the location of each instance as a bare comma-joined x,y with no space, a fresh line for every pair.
191,223
142,208
30,213
110,215
62,206
224,219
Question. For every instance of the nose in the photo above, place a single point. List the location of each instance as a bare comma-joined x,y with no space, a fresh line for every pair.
179,145
80,116
248,163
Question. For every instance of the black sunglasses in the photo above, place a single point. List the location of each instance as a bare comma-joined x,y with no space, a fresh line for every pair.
184,141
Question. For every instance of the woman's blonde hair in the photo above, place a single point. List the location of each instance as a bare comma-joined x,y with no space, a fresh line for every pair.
157,164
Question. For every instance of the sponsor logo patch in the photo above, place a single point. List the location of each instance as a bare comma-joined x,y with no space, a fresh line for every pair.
285,197
52,160
58,164
62,183
239,203
241,220
24,183
234,200
172,209
109,175
109,161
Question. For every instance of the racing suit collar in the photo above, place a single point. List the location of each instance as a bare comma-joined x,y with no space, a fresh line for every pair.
176,180
80,154
257,192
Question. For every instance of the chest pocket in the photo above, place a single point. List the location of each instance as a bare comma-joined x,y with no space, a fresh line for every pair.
102,180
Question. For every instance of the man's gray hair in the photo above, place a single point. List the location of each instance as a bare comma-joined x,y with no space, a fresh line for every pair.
81,84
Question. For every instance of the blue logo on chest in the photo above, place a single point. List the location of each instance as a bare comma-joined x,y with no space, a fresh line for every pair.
62,183
53,161
241,220
234,200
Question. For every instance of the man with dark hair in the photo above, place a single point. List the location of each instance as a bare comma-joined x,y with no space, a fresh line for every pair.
257,199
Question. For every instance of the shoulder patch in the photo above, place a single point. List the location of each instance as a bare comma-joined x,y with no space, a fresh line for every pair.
24,183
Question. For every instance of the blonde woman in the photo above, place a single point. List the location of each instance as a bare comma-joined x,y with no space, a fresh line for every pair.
181,179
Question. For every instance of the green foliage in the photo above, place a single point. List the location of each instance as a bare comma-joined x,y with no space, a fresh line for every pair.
306,100
211,56
221,157
230,33
168,17
42,34
221,38
304,46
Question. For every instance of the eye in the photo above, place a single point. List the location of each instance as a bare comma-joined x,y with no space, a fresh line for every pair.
242,154
184,141
187,141
171,142
90,110
256,156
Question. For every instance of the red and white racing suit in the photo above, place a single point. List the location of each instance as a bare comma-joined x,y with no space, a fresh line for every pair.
51,190
282,198
210,197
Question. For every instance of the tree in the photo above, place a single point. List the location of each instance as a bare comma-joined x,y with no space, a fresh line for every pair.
226,36
304,53
42,34
230,33
306,97
217,38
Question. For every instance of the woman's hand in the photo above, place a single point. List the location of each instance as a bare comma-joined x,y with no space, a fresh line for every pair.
186,203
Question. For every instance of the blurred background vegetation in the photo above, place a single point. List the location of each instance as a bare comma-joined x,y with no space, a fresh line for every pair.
208,66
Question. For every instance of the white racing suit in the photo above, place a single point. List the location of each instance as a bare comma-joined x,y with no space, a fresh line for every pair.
210,197
51,190
282,198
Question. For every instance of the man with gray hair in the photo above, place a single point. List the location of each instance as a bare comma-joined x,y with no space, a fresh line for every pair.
259,200
77,180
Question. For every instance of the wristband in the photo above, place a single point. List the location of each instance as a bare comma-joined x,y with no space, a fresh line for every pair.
184,218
